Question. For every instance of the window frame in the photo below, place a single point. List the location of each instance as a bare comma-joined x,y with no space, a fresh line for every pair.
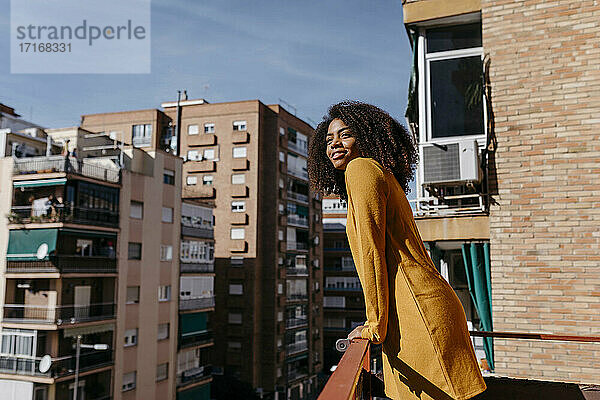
131,208
240,148
129,257
240,206
207,127
243,236
236,125
133,337
137,300
197,129
172,213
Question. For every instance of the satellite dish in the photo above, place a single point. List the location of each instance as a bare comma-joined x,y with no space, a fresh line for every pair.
45,364
42,251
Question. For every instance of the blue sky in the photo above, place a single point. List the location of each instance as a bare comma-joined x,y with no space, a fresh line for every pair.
310,54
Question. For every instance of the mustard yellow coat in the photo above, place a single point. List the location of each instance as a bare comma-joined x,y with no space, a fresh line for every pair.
410,308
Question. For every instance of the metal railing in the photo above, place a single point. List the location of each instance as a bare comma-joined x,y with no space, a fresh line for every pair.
196,303
296,148
298,173
297,296
352,377
63,213
72,165
196,267
297,196
295,271
297,347
296,322
67,314
142,141
197,231
295,219
65,264
195,338
297,246
194,374
61,366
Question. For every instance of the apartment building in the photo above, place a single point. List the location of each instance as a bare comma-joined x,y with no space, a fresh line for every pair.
84,254
503,101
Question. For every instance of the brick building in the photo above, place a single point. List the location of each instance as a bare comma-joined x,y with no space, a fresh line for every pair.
505,104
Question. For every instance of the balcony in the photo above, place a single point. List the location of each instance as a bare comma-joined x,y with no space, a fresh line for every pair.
199,192
352,377
71,165
64,213
142,141
198,267
68,314
240,164
196,338
206,139
194,375
196,303
298,173
65,264
303,246
201,166
297,297
296,271
298,220
291,323
61,366
239,191
296,347
297,196
239,137
298,149
197,231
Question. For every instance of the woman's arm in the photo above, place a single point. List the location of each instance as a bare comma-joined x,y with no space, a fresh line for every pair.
367,197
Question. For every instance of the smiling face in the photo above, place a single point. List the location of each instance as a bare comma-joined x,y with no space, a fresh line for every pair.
341,144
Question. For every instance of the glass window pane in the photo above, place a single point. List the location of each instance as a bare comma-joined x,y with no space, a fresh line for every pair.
453,37
456,97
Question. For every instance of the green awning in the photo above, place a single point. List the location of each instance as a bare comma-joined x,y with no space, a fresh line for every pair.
192,323
476,257
28,244
40,182
201,392
92,234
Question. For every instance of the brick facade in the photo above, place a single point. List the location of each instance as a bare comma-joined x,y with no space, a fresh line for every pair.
545,242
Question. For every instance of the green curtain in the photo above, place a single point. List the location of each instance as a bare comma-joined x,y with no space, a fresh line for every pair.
412,108
476,257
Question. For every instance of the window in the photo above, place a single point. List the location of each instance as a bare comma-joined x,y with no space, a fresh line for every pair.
133,295
134,251
238,206
239,125
238,179
334,301
131,337
453,63
168,177
192,129
209,128
162,372
167,215
193,251
280,235
193,155
237,261
281,156
209,154
234,346
279,316
236,289
191,180
239,152
281,131
281,208
136,210
207,180
129,381
238,233
164,293
234,318
166,253
141,134
280,288
281,183
163,331
84,247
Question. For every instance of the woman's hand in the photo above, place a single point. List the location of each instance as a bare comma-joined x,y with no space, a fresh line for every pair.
356,333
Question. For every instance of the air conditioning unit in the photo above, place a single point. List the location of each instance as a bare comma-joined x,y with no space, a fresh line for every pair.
451,162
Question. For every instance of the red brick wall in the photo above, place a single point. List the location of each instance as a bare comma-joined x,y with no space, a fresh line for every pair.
544,230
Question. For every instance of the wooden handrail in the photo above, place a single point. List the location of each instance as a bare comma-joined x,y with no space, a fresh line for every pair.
343,383
536,336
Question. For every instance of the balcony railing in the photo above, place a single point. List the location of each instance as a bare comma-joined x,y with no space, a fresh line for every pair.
194,374
61,366
142,141
66,264
297,347
297,246
197,231
295,271
297,196
343,289
297,296
64,213
298,173
195,338
296,322
68,314
197,267
352,377
196,303
296,374
49,164
295,219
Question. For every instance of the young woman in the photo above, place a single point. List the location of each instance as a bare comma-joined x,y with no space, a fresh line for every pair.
367,158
